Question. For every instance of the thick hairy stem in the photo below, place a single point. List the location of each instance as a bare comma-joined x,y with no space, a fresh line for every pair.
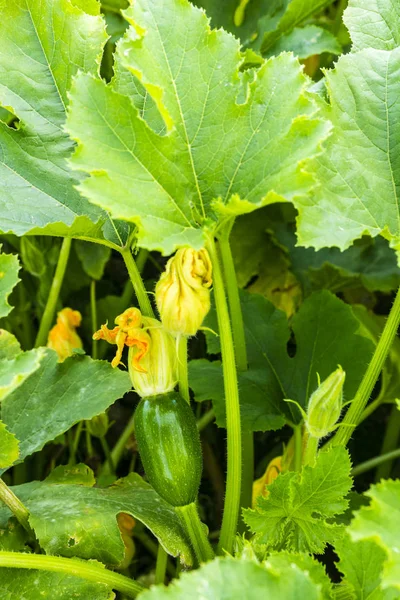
358,404
137,283
234,475
15,505
195,530
69,566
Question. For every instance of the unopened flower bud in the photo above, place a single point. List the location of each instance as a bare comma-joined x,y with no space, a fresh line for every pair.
63,337
158,373
183,291
98,426
325,405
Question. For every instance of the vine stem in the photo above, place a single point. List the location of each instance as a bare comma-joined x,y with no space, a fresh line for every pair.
234,475
298,446
195,529
375,462
206,419
371,375
137,283
51,304
239,340
70,566
182,345
15,505
390,443
117,451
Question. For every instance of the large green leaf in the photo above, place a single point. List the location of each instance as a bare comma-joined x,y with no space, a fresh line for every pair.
8,447
42,45
374,24
361,564
380,522
307,41
235,140
72,518
30,584
325,333
238,580
58,395
296,513
360,170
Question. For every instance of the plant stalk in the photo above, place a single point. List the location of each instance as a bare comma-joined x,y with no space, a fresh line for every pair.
311,450
206,419
375,462
234,475
51,304
182,343
20,512
354,413
137,283
239,340
117,451
70,566
390,443
196,532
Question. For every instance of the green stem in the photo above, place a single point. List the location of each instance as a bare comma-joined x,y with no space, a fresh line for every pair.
353,415
375,462
93,314
70,566
137,283
311,450
298,446
161,565
50,309
234,475
390,443
182,343
75,443
141,259
239,340
107,453
372,406
89,446
15,505
195,530
206,419
117,451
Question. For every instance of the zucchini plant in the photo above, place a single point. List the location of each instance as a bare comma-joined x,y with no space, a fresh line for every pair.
199,305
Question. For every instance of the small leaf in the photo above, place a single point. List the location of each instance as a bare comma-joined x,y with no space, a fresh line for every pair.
295,514
238,580
93,257
71,518
57,396
14,371
9,267
380,522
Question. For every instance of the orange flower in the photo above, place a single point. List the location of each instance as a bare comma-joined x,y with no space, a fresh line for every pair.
128,332
271,473
63,337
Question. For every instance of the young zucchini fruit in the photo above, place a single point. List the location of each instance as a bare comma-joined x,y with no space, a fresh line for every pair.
169,446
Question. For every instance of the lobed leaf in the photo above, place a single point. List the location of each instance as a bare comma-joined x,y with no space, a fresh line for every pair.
295,514
72,518
42,45
207,166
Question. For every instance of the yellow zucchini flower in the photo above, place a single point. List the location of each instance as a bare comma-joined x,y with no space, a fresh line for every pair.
63,337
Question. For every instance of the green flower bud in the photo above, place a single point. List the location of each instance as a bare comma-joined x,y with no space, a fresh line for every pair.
98,426
183,291
325,405
158,373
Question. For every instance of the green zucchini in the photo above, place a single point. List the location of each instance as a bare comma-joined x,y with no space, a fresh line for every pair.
169,446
